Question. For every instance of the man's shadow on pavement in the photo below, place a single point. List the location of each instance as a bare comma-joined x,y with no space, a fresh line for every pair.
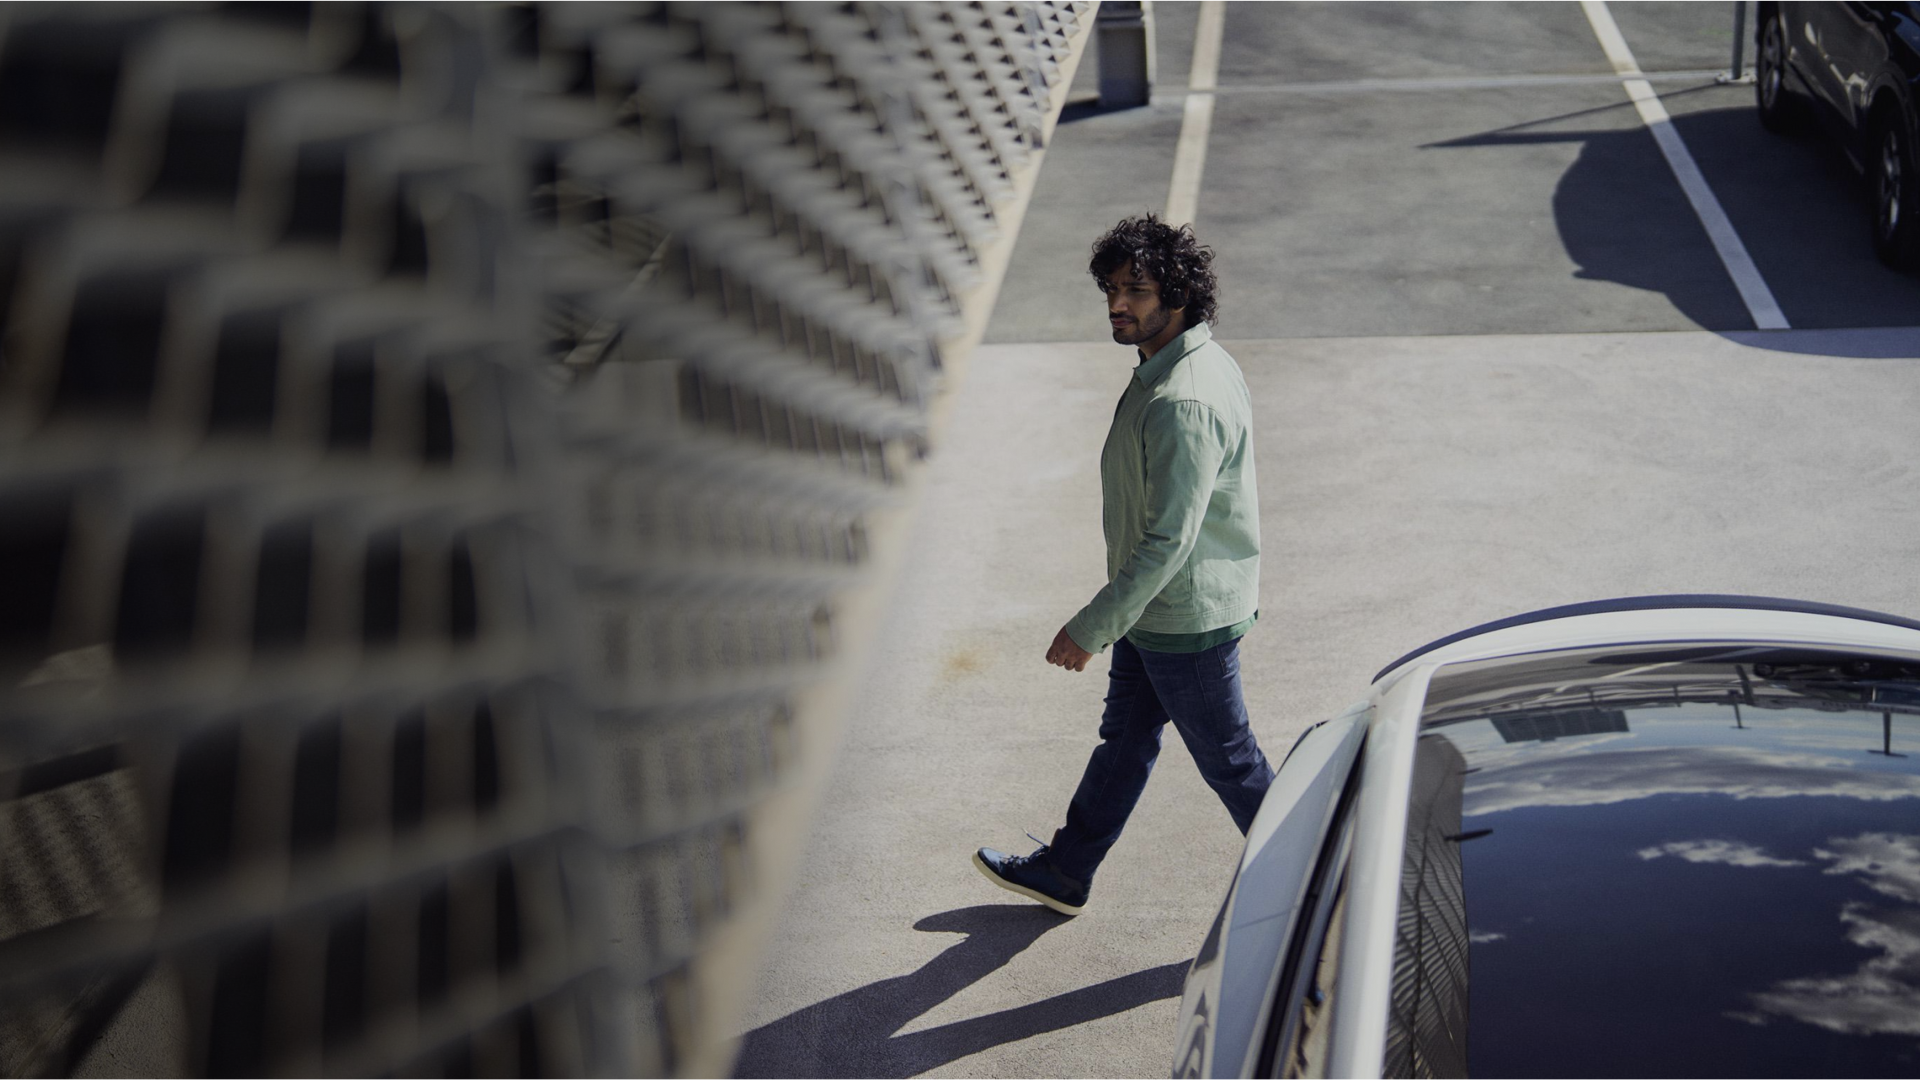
853,1034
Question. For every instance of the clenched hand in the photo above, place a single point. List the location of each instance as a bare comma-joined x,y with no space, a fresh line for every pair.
1065,653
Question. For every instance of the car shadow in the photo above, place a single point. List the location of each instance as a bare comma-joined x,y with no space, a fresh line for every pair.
1799,208
858,1033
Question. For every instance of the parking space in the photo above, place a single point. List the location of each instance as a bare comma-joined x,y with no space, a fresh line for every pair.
1317,43
1502,210
1801,209
1395,169
1679,37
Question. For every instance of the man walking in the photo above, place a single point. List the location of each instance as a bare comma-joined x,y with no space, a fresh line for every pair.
1182,522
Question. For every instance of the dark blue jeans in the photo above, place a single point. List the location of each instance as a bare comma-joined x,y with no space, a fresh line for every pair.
1200,693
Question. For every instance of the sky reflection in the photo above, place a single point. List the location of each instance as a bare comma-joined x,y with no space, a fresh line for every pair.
1695,895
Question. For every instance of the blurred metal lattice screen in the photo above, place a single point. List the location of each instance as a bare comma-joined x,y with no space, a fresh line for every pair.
445,456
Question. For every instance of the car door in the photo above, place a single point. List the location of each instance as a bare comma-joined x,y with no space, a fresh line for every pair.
1817,35
1857,46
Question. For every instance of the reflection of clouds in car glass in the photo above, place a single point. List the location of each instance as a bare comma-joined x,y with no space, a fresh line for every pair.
1481,742
1725,852
1613,776
1890,862
1878,998
1882,995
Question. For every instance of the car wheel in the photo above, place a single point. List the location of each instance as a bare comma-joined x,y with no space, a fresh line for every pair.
1778,107
1896,203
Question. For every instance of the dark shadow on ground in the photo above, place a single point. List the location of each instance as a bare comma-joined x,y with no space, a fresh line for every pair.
1798,206
1085,108
855,1033
1865,343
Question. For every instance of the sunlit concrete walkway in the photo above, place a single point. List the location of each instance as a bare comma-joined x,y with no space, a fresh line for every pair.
1410,487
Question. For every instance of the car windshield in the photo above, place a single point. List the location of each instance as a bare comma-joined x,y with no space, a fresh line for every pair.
1699,860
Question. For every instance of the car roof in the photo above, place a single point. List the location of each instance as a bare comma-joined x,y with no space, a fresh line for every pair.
1771,626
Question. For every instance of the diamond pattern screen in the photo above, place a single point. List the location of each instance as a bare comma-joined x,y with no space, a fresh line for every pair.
443,449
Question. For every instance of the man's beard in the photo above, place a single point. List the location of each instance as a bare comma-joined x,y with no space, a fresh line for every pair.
1147,329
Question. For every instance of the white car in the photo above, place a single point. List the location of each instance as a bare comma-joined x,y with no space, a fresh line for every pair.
1672,835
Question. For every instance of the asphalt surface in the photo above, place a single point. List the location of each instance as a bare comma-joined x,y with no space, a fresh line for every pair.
1496,366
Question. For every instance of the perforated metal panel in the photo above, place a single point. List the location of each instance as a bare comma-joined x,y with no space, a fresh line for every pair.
439,447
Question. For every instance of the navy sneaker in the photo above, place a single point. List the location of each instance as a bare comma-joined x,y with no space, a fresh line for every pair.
1035,877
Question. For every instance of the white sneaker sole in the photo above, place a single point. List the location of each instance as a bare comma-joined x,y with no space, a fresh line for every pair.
1064,909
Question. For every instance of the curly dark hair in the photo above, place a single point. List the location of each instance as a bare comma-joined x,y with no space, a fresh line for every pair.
1173,258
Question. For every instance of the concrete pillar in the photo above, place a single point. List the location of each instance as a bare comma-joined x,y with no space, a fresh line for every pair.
1125,35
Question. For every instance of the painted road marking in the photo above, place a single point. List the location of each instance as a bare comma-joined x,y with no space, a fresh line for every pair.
1733,254
1465,82
1196,123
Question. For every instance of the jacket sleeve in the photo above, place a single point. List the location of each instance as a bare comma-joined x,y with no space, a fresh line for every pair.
1185,444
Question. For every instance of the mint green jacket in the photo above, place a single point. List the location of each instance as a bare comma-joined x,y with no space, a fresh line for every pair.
1180,507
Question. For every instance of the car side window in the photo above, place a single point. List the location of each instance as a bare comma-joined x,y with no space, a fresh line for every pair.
1427,1018
1307,1054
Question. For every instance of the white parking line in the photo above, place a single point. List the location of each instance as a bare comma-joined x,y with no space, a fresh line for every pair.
1190,155
1733,254
1418,85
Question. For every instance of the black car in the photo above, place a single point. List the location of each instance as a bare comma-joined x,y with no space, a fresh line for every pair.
1852,69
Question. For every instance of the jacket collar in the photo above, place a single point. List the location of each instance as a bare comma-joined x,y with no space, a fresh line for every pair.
1152,369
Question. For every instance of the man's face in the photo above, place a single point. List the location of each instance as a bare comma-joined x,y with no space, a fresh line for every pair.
1134,310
